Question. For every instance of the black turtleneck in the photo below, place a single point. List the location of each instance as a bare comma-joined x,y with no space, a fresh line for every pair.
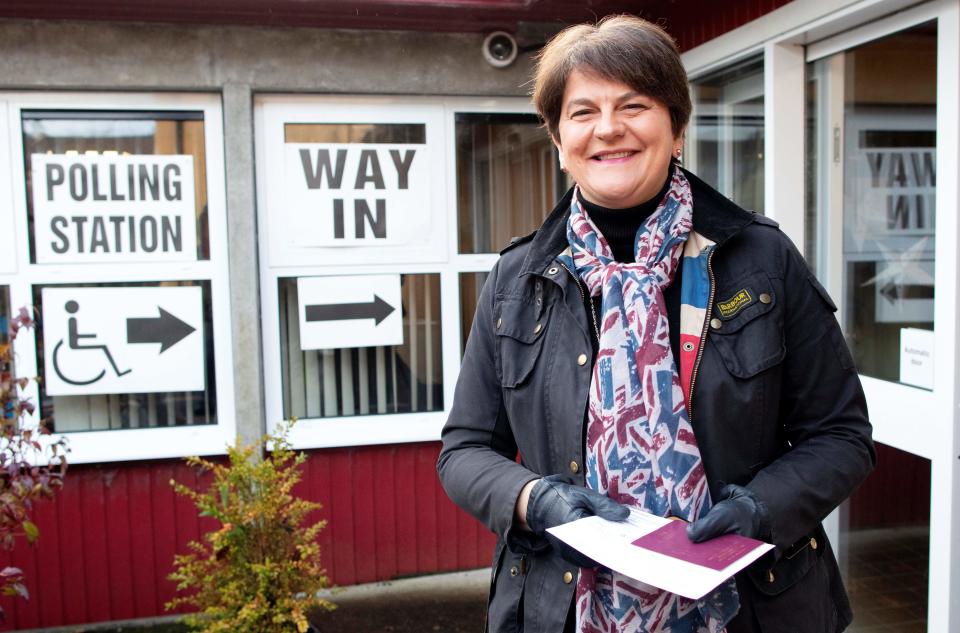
619,227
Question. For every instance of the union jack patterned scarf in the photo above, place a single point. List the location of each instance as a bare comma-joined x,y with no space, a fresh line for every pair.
640,449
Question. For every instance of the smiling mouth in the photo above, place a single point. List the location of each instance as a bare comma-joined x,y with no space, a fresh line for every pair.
613,155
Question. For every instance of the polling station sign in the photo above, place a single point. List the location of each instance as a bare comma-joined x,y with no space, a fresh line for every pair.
113,208
356,194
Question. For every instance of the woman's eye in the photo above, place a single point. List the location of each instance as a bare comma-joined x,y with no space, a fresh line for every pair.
578,113
636,106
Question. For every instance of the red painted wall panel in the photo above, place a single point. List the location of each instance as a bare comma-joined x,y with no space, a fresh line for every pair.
107,541
899,475
693,22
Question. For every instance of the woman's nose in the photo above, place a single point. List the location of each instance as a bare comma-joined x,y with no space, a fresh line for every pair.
609,126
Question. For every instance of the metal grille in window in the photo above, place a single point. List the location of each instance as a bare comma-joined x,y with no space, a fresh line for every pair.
403,378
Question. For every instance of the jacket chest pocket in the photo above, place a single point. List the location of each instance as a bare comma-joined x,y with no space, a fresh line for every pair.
747,326
520,337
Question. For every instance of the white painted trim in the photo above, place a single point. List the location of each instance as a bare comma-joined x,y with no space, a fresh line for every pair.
783,106
872,31
152,443
802,21
943,599
895,408
8,220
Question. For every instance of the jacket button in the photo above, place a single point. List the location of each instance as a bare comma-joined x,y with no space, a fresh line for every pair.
813,543
553,270
537,329
514,570
499,323
765,298
716,323
770,576
567,577
574,467
582,360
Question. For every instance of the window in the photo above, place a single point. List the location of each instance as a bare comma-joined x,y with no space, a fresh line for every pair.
507,178
405,378
381,218
121,247
878,112
725,145
103,159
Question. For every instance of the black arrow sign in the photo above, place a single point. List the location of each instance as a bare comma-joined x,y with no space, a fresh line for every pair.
894,292
377,309
165,329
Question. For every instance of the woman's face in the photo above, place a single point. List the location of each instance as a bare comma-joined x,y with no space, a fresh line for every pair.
615,142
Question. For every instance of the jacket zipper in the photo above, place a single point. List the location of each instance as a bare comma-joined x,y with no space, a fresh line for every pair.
703,334
583,300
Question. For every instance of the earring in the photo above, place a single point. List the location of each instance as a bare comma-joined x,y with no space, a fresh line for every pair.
678,153
563,167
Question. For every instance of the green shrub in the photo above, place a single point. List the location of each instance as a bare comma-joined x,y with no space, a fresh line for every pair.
260,571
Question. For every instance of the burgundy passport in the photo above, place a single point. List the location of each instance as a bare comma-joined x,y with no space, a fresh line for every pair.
717,553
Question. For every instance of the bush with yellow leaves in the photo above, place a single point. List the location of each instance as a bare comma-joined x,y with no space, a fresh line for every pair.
260,571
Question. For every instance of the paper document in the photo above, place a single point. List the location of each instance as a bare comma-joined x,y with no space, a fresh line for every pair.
656,551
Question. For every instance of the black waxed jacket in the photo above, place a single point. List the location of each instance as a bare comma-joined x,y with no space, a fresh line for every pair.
776,406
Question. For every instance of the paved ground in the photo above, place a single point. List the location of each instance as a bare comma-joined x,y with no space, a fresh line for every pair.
442,603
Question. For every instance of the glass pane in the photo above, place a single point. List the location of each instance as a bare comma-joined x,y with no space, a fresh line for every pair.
470,286
108,412
884,109
354,133
134,225
366,380
885,546
508,178
726,134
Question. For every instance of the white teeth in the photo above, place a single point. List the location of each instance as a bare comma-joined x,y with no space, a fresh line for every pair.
614,155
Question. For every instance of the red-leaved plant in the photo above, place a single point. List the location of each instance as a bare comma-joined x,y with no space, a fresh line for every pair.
31,466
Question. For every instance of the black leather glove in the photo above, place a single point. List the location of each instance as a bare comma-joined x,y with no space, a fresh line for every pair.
553,501
738,511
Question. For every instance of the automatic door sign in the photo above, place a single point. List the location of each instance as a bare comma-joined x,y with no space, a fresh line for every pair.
113,208
122,340
356,194
350,311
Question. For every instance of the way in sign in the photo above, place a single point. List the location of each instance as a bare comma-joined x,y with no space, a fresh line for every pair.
337,312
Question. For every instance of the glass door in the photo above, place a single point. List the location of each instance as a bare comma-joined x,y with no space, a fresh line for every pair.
872,156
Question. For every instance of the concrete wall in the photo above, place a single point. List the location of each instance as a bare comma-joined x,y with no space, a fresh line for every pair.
238,62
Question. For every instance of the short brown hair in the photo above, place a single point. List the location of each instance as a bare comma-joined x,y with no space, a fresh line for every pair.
621,48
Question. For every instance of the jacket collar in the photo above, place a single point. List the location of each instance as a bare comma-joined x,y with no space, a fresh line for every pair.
714,216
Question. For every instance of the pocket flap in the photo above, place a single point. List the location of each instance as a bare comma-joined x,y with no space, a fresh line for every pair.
515,318
519,339
746,328
740,303
773,579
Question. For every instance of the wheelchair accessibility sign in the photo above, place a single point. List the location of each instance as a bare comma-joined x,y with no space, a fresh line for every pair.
122,340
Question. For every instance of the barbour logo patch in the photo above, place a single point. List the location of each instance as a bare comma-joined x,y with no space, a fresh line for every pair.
734,304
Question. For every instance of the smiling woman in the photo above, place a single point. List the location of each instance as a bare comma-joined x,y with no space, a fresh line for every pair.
614,142
594,337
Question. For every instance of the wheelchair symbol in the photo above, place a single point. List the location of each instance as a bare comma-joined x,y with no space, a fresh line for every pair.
74,342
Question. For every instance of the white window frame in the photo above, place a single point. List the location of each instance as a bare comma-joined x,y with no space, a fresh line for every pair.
270,113
140,443
921,422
